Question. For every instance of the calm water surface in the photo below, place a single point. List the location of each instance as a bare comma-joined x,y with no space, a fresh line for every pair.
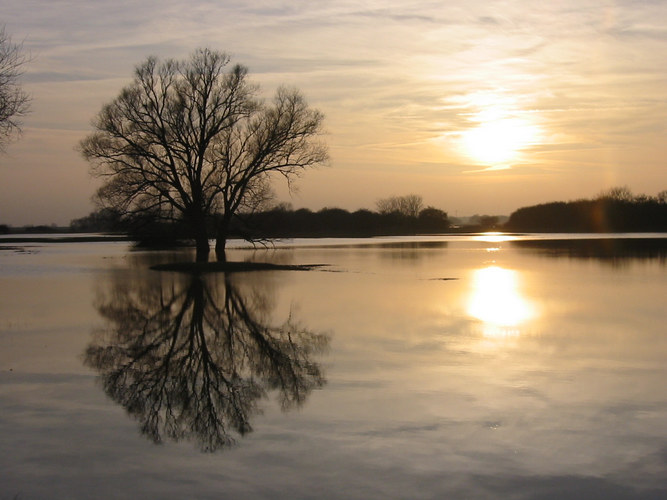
453,367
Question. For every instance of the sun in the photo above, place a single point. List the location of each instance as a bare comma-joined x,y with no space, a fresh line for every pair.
499,141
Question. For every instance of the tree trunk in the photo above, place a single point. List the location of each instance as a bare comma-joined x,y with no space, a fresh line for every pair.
202,250
201,242
221,241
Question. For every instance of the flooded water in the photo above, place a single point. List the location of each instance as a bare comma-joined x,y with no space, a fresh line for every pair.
415,368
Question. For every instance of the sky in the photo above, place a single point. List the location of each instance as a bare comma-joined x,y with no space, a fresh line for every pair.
479,106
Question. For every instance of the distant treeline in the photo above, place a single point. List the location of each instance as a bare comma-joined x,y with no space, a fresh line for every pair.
42,229
278,222
616,210
281,222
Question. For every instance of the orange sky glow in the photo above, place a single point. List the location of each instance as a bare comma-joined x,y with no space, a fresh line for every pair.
480,107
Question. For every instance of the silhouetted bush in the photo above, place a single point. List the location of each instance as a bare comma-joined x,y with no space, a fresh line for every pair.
279,222
100,221
432,220
336,222
147,230
618,212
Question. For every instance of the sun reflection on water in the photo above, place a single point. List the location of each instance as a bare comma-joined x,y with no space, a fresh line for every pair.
494,237
496,300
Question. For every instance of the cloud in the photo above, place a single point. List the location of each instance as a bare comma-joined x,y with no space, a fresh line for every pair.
55,76
388,72
493,168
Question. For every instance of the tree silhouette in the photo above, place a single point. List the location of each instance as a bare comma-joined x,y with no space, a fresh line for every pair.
409,205
189,140
191,358
14,101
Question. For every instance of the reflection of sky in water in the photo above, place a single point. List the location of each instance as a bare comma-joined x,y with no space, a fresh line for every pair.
418,404
496,300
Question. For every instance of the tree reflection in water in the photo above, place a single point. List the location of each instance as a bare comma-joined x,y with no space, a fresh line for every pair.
190,357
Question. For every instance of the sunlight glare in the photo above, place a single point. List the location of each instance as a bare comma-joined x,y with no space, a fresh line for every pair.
494,237
497,302
499,141
501,128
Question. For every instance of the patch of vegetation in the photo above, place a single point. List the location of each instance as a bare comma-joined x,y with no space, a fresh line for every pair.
613,211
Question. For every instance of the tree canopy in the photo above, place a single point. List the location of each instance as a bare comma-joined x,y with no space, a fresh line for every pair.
191,140
14,101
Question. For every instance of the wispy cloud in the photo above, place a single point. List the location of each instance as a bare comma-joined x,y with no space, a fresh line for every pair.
396,79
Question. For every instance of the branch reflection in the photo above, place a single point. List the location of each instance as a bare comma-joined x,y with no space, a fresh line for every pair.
190,357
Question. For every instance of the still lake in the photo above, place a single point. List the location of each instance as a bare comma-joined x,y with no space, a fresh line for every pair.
450,367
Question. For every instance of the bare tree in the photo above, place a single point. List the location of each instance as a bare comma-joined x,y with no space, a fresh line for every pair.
618,193
387,205
409,205
190,140
14,101
278,139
